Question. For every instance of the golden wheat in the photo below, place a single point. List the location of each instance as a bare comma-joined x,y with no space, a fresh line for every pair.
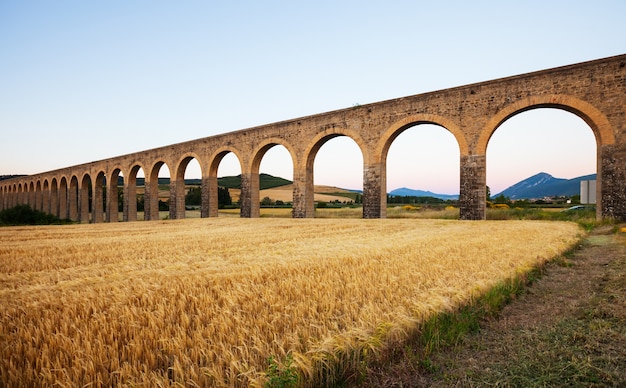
206,302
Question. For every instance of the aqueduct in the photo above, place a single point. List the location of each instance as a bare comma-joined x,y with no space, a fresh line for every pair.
595,91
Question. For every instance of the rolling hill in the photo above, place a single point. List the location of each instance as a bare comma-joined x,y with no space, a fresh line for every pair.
545,185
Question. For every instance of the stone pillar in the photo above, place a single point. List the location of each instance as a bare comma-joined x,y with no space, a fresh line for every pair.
303,205
373,191
613,183
112,201
473,190
245,198
255,194
177,198
151,200
46,200
83,204
129,208
63,201
204,195
54,201
73,202
212,196
96,203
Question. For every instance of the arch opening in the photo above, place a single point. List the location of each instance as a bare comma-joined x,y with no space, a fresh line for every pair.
189,191
134,195
422,170
543,148
157,192
273,191
336,181
225,185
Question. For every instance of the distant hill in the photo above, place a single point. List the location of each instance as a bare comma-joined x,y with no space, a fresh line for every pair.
405,192
545,185
266,181
232,182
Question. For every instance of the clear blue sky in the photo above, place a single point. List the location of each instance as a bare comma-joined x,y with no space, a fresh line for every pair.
89,80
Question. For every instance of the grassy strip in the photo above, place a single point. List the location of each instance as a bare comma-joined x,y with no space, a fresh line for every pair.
347,363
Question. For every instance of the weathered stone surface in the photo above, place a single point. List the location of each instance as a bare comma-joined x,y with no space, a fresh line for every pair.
594,90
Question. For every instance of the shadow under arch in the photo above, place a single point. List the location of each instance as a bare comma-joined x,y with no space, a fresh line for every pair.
255,167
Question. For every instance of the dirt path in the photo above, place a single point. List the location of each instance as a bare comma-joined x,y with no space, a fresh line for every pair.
568,328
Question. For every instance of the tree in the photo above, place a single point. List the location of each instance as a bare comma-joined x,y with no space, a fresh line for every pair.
194,196
502,199
488,193
267,201
223,197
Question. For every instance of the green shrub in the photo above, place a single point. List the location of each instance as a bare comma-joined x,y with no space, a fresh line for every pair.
25,215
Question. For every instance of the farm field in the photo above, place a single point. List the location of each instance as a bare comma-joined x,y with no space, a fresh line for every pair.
212,302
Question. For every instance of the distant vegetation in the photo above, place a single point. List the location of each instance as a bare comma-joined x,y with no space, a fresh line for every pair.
266,181
25,215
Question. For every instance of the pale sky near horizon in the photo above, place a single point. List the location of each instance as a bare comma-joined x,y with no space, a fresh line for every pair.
83,81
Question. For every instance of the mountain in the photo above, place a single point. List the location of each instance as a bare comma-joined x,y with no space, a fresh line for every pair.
405,192
545,185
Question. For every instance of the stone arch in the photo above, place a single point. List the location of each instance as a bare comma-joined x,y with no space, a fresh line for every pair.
98,196
54,197
84,198
112,201
151,196
45,196
255,164
63,198
214,163
596,120
179,191
72,198
395,129
130,192
304,173
38,196
3,196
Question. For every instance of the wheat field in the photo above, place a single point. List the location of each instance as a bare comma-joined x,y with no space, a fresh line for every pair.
206,302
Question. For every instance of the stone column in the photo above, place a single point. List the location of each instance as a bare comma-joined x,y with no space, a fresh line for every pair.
255,200
83,204
96,203
373,191
112,201
151,200
212,196
204,195
245,198
54,201
130,200
177,198
613,183
473,196
303,205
